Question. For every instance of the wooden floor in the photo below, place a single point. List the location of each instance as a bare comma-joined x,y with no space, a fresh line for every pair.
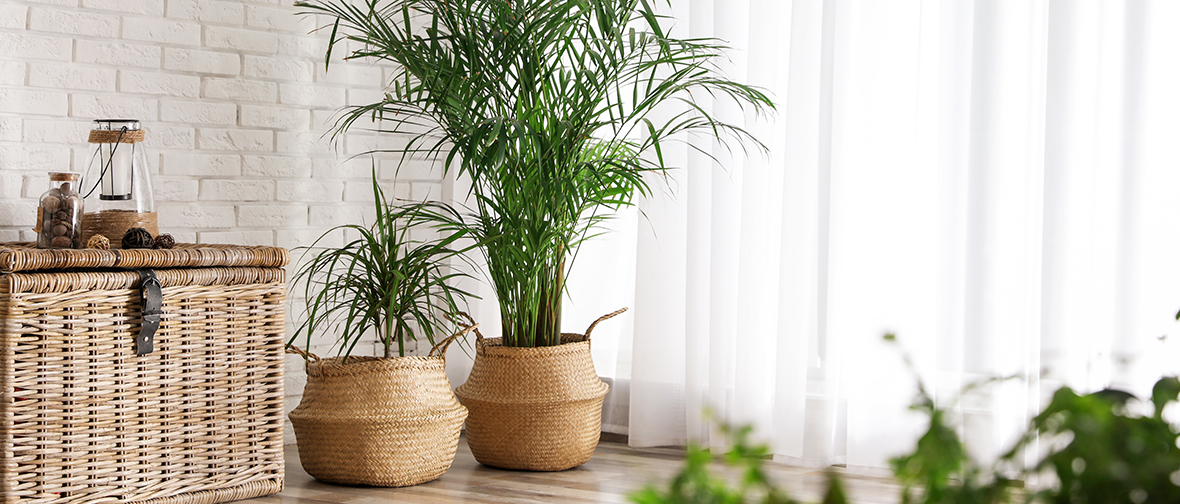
615,471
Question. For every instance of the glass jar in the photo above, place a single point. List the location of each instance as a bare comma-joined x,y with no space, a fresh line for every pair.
61,214
117,186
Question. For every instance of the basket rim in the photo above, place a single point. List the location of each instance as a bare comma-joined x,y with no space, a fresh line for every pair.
357,364
568,344
25,256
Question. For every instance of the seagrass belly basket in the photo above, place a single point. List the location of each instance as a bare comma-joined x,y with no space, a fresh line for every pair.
551,424
141,375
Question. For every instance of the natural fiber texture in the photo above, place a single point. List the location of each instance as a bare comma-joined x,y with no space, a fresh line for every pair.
112,136
114,223
386,422
25,256
537,409
197,421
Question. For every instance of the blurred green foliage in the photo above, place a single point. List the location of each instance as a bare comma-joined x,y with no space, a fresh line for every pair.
1100,450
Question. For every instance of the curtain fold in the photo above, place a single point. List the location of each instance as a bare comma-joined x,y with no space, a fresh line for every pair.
994,182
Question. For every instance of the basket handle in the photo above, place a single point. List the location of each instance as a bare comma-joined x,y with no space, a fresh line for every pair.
441,346
472,326
307,355
602,318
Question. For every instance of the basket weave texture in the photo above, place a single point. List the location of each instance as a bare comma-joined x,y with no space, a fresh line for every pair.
83,419
535,409
387,422
24,256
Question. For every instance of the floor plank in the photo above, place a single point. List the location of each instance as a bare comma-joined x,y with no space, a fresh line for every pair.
614,472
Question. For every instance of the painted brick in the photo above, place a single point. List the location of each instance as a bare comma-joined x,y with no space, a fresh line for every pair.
207,10
162,31
352,74
200,112
304,47
177,190
252,41
131,81
74,22
23,101
364,143
272,216
37,47
275,117
10,129
281,19
12,73
364,96
354,168
235,140
237,190
13,16
412,169
18,213
86,106
205,62
311,191
56,132
210,165
241,90
34,185
269,67
335,215
423,191
291,238
276,166
71,77
148,7
302,143
160,136
311,95
264,237
182,236
117,54
325,120
11,183
362,190
204,216
30,157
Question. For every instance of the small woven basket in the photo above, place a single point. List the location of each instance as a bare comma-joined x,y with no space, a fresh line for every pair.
386,422
551,424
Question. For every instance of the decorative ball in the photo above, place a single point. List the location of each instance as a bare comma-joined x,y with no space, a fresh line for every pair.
137,238
164,241
99,242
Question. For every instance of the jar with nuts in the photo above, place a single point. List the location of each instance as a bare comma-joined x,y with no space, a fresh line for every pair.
61,214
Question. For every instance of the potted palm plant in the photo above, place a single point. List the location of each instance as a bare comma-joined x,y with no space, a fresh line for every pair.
390,420
546,106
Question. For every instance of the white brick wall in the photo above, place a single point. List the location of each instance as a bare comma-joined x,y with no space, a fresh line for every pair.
235,102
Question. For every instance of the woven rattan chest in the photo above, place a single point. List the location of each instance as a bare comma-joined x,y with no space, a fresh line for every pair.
83,418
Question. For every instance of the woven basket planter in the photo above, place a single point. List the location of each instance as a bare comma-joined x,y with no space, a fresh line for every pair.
535,409
387,422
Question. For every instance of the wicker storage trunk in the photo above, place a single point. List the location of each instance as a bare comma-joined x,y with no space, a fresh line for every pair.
84,419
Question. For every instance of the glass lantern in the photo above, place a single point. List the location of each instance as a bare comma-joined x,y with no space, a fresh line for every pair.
117,186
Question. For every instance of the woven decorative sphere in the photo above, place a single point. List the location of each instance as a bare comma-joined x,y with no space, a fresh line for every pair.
164,241
137,238
99,242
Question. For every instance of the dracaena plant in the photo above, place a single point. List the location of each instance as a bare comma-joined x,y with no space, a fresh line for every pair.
546,106
383,281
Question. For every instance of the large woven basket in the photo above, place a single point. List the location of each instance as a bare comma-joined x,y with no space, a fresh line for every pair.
386,422
535,409
83,419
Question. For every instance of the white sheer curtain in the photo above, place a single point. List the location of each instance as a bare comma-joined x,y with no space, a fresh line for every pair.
995,181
